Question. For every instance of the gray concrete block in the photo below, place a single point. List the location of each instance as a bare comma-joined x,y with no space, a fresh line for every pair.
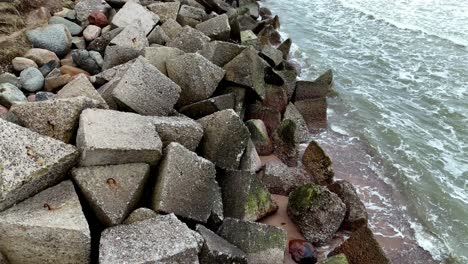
182,130
81,86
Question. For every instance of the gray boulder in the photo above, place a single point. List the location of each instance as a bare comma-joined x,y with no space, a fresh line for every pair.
163,239
216,28
263,244
285,48
280,179
158,56
220,52
189,40
111,74
248,38
302,132
165,10
112,191
259,136
209,106
186,184
182,130
196,76
55,38
107,137
318,164
245,197
216,250
53,118
171,28
140,214
190,16
133,12
74,28
285,143
158,36
10,95
250,161
50,227
81,86
314,112
85,7
90,61
225,139
102,41
30,163
145,90
316,211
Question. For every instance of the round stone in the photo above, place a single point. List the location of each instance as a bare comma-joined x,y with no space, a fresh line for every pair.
98,18
20,63
56,38
31,79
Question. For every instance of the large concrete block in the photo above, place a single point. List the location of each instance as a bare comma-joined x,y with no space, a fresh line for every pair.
186,184
182,130
29,163
47,228
217,28
163,239
145,90
216,250
220,52
81,86
165,11
112,191
188,39
158,56
132,12
107,137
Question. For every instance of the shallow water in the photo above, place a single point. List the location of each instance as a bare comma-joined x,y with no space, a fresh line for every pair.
401,69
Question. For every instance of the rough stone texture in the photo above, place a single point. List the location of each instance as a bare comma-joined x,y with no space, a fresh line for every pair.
145,90
73,71
47,228
112,191
20,63
250,161
314,111
100,43
209,106
31,79
30,163
163,239
271,117
114,74
84,8
98,18
132,36
220,52
245,197
78,43
302,132
41,56
190,16
81,86
259,136
74,28
3,259
189,40
9,78
247,69
49,67
182,130
275,97
106,92
90,61
53,118
225,139
248,38
337,259
158,36
55,38
216,250
196,76
158,56
133,12
44,96
311,90
10,95
280,179
362,248
239,97
91,33
186,184
356,214
316,211
217,212
286,146
117,55
171,28
318,164
285,47
272,55
165,11
263,244
216,28
55,80
108,137
140,214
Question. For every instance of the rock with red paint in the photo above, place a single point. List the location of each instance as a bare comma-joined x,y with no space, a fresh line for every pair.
98,18
302,251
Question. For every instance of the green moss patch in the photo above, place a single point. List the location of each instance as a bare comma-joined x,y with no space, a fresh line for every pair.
301,198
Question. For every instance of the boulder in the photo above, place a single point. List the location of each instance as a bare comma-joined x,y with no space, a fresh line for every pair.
318,164
55,80
53,118
259,136
186,184
162,239
314,111
280,179
140,214
132,36
245,197
111,74
190,16
112,191
10,95
107,137
165,10
158,56
100,43
106,92
31,79
275,97
316,211
74,28
171,28
209,106
216,28
41,56
289,77
20,63
133,12
271,55
220,52
196,76
356,214
285,48
217,212
225,139
145,90
91,33
158,36
98,18
84,8
247,69
312,90
302,132
216,250
55,38
286,146
188,40
270,116
248,38
117,55
250,161
81,86
90,61
239,94
50,227
263,244
182,130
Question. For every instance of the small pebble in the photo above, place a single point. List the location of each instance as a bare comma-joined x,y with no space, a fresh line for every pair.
91,32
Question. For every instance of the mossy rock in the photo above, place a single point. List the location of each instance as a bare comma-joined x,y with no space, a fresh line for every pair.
302,197
337,259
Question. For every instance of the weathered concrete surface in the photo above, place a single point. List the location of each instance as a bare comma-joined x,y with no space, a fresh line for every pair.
163,239
81,86
29,163
158,56
178,129
107,137
133,12
53,118
209,106
165,11
216,250
225,139
250,161
263,244
220,52
217,28
281,179
188,39
186,184
47,228
112,191
302,132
